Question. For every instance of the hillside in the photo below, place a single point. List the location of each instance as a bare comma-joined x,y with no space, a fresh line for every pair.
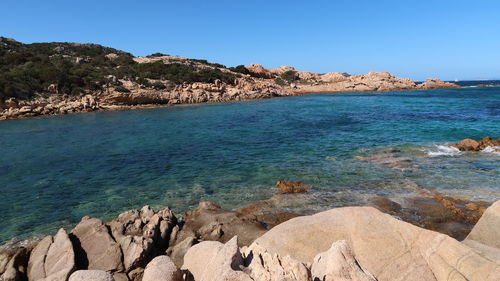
60,78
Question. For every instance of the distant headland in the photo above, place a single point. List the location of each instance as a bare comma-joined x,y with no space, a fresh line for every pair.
60,78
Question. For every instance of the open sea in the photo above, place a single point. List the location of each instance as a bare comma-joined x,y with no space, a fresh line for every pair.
347,147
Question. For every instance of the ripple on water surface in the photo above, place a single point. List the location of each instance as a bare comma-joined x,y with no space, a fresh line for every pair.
54,170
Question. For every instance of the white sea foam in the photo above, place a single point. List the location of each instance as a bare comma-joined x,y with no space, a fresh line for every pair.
444,150
492,149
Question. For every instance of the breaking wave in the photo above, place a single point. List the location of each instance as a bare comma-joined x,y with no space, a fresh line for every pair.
444,150
492,149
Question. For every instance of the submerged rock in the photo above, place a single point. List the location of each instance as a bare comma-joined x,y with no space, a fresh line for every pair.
292,186
432,210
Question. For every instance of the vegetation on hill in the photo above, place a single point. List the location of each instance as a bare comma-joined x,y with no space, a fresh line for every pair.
30,69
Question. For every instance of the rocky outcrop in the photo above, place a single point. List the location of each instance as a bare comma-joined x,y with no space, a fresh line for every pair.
125,245
477,145
142,234
434,83
91,275
388,248
373,81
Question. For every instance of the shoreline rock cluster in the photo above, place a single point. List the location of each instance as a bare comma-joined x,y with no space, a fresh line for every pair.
478,145
209,243
260,83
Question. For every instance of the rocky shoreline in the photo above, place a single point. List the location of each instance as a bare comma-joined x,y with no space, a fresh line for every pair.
260,83
257,242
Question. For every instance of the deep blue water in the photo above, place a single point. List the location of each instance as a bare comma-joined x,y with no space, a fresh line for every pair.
54,170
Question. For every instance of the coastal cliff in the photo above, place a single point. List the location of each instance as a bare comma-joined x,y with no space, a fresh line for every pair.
60,78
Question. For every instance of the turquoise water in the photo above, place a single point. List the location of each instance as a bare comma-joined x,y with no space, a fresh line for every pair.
54,170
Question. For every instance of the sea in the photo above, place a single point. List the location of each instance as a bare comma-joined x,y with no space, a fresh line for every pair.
347,147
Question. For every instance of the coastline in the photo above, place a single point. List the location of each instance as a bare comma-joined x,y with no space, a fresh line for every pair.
90,103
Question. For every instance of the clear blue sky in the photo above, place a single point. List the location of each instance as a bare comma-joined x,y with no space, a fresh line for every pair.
416,39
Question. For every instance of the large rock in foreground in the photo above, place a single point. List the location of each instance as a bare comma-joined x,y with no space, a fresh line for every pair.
388,248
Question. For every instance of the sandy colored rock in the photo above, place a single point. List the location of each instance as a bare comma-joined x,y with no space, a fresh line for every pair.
388,248
94,246
91,275
36,264
162,268
339,263
60,260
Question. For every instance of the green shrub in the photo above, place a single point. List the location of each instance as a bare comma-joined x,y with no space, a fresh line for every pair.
289,76
28,69
122,89
280,82
240,69
157,55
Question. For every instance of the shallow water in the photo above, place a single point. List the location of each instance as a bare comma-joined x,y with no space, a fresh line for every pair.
54,170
